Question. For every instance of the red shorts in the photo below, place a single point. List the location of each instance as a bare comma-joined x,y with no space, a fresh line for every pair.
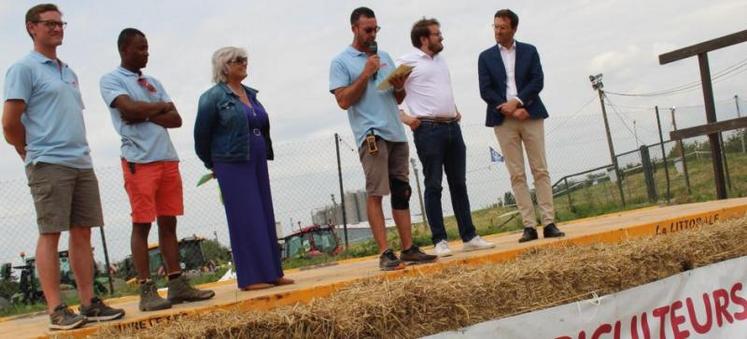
154,189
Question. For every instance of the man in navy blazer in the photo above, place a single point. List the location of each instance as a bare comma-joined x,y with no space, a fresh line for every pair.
511,79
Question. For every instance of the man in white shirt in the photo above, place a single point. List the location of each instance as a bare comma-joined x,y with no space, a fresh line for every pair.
431,113
511,79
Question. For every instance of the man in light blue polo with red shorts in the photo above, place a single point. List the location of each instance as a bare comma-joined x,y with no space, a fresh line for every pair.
141,112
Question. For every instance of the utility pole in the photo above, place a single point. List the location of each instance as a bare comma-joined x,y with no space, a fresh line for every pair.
596,84
682,153
420,194
739,115
635,134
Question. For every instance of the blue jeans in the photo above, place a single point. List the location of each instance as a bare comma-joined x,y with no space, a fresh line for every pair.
441,149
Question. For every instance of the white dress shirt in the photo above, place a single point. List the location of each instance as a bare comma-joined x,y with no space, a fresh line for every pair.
508,55
429,93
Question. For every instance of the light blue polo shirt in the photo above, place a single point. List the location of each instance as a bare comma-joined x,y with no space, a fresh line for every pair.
142,142
55,130
376,109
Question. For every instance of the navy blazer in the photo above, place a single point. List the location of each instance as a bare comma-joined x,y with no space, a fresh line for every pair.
529,82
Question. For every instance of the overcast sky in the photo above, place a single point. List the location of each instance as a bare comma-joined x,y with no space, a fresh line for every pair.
291,43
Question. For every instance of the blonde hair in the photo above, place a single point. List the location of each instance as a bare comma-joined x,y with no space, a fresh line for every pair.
221,57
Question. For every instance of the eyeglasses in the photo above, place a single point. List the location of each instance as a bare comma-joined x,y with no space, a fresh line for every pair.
52,24
238,60
370,30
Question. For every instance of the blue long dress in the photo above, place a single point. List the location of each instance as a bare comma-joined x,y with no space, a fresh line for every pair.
245,187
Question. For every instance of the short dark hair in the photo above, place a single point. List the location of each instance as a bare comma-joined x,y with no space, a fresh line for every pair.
420,29
510,15
34,13
361,11
126,36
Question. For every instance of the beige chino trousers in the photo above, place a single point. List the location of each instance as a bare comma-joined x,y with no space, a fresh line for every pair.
513,136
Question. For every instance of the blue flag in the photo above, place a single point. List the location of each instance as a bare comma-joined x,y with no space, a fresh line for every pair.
495,156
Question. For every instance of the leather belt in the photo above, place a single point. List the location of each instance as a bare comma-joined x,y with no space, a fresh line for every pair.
438,120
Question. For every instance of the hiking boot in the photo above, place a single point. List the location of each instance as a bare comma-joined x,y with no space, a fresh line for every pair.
180,291
529,234
552,231
63,318
442,249
388,261
477,243
98,311
414,255
149,298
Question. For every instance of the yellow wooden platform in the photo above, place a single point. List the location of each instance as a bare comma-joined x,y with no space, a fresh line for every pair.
322,281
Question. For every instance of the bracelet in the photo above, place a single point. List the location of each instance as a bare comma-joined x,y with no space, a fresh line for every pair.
399,90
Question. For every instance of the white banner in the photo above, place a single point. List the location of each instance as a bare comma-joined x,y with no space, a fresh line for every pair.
708,302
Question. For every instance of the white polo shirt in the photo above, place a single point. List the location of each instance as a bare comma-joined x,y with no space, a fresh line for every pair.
429,93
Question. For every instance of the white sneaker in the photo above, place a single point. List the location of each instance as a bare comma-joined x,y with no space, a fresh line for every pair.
477,244
442,249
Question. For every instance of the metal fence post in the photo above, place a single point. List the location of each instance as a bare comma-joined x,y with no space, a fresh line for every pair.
681,146
106,260
420,194
568,193
648,174
342,192
663,154
723,160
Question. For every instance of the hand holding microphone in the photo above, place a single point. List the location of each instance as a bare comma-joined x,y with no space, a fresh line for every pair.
373,62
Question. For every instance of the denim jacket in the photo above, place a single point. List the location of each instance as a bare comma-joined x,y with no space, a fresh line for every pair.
221,129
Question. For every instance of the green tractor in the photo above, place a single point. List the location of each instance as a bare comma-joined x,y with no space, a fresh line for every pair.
29,289
192,257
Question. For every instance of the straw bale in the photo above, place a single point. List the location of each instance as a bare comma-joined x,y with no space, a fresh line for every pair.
461,295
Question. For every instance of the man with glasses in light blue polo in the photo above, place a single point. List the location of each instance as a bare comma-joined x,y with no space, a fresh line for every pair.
43,120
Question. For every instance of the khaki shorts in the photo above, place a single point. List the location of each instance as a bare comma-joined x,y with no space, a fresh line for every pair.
391,162
64,197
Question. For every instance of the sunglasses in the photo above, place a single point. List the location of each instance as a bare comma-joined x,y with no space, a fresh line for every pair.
370,30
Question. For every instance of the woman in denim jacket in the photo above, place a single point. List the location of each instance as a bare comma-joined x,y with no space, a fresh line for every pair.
232,138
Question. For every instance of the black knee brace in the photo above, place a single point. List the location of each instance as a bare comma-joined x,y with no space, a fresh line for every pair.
401,192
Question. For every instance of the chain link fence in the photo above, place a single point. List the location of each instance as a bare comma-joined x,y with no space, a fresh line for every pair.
307,182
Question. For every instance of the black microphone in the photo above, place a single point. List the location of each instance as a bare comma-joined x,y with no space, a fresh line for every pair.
373,48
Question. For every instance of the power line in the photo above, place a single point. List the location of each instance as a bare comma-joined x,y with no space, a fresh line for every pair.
690,85
572,116
619,116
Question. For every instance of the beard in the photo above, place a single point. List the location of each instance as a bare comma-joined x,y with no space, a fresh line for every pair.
435,47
